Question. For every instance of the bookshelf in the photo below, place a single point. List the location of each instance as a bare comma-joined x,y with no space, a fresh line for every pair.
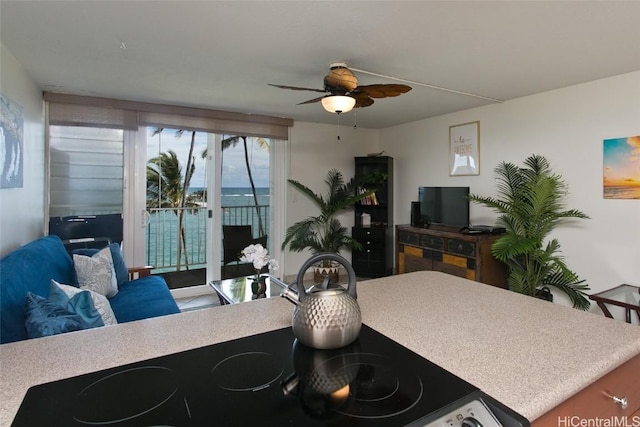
374,217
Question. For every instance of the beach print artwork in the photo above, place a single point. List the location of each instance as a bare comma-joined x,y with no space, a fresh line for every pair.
11,128
621,174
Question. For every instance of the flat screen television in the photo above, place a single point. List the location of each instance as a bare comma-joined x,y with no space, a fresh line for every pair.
444,205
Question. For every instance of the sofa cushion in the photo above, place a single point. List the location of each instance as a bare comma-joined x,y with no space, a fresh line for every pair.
79,302
143,298
120,267
97,273
100,302
43,318
30,268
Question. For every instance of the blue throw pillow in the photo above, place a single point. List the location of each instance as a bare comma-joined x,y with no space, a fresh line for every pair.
122,273
80,304
57,295
44,318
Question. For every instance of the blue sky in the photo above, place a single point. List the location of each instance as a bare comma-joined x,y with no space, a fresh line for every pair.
622,161
234,173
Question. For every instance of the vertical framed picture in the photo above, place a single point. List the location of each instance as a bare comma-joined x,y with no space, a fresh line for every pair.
621,169
464,149
11,135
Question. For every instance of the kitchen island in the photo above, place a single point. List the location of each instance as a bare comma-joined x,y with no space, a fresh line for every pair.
529,354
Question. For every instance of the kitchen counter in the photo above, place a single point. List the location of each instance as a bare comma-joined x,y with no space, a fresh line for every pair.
529,354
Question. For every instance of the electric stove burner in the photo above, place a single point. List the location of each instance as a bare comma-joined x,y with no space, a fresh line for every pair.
130,394
381,389
250,371
264,379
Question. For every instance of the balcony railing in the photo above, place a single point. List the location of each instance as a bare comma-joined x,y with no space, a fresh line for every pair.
162,234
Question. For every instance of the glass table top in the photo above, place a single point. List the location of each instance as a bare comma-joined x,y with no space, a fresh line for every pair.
623,295
237,290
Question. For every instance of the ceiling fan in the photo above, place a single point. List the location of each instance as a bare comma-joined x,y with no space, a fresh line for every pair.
342,93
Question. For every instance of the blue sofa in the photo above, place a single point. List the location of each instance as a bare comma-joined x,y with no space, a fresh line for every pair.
31,268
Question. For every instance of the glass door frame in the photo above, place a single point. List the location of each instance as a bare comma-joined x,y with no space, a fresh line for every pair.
135,195
214,206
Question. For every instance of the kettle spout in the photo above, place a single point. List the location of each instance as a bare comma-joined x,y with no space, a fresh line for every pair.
290,294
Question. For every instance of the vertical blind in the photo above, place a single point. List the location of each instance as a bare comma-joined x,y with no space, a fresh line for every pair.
86,171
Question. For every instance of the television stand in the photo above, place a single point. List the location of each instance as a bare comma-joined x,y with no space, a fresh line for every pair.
446,249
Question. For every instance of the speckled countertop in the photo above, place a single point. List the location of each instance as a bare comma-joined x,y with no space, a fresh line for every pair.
522,351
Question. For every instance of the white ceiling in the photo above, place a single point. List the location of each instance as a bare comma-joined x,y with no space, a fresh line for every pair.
221,54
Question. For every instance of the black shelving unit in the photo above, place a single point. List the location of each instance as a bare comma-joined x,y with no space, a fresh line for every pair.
376,258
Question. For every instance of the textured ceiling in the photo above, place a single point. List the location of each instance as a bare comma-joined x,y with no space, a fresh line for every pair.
222,55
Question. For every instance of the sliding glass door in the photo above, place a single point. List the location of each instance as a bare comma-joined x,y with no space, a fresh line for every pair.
207,197
177,205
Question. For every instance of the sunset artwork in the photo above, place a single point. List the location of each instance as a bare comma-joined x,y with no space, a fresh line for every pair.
621,174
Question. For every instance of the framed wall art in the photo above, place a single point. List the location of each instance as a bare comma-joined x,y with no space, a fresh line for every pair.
464,149
11,134
621,170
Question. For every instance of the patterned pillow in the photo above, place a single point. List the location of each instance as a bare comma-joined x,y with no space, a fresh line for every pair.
96,273
44,318
100,302
122,273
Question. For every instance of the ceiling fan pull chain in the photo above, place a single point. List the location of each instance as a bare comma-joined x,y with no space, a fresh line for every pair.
338,126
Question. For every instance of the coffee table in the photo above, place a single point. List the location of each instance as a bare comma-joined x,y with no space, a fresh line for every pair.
626,296
237,290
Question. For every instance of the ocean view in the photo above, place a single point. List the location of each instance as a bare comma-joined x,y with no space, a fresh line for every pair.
238,208
621,192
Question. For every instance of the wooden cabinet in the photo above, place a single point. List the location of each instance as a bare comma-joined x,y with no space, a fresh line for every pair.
597,400
447,250
376,259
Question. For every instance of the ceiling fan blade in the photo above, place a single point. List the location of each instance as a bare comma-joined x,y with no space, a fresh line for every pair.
383,90
311,101
362,99
297,88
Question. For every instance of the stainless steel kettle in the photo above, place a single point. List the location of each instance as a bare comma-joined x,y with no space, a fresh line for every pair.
326,316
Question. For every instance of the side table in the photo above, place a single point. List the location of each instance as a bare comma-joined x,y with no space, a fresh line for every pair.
626,296
237,290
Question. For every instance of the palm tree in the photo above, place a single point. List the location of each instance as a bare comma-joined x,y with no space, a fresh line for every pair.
530,205
164,181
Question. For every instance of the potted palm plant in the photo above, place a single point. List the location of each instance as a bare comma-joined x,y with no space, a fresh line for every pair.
324,233
530,204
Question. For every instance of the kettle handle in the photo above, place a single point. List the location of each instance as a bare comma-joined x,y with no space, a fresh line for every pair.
351,288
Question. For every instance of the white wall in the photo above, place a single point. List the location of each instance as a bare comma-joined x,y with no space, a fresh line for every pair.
314,149
567,126
22,209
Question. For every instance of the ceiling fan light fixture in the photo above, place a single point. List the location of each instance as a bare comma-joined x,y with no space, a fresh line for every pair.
338,103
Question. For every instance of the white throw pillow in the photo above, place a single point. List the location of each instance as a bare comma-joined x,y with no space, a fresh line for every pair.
96,273
100,302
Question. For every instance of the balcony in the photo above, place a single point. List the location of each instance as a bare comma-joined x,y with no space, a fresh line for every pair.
189,269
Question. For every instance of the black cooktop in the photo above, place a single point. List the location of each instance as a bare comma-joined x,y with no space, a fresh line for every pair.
265,379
